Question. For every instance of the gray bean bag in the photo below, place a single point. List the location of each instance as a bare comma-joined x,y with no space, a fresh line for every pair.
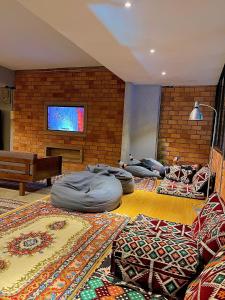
126,178
141,172
87,192
152,164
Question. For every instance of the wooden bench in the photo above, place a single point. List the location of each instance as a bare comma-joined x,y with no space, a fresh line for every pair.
25,167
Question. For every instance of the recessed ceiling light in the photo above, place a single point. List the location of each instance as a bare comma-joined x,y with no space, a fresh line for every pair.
163,73
152,51
127,4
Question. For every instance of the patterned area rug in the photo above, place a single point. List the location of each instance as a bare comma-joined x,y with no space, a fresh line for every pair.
9,204
145,184
102,285
45,252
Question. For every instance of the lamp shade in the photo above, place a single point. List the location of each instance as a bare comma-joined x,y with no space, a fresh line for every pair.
196,114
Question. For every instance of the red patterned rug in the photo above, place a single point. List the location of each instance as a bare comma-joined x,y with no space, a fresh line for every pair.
145,184
9,204
45,252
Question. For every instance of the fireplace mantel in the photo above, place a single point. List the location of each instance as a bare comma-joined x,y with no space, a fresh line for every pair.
73,154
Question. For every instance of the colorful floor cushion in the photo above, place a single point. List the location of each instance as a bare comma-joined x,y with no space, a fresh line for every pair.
149,226
212,236
177,173
104,286
213,204
160,264
210,284
200,179
179,189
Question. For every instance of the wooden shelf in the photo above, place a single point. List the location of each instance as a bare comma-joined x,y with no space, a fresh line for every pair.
73,154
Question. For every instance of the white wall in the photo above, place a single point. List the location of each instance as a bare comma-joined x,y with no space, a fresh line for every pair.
141,119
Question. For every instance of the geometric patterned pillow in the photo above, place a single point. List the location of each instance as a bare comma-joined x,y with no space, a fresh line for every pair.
148,225
213,204
159,264
178,189
212,236
177,173
200,178
210,284
102,286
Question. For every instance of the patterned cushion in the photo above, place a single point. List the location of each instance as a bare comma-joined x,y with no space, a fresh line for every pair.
160,264
177,173
200,179
102,285
212,236
98,289
210,284
213,204
151,226
178,189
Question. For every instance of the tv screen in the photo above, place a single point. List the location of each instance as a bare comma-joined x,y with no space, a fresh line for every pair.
66,118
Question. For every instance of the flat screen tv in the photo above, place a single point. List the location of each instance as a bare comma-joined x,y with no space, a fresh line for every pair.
67,118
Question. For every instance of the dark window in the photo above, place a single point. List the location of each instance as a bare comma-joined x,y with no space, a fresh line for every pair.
220,107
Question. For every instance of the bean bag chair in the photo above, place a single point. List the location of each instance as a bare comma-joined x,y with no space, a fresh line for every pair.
141,172
152,164
126,179
87,192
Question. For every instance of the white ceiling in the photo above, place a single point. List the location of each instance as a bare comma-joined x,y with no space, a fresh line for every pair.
26,42
189,37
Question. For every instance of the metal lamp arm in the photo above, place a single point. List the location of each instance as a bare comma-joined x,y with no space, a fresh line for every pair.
212,145
206,105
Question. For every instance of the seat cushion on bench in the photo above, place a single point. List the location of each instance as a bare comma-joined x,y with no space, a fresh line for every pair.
158,264
179,189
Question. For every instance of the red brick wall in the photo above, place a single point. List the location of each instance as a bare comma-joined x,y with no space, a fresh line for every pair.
99,88
179,136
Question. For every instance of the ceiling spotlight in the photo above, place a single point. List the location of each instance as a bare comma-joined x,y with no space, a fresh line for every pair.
163,73
127,4
152,51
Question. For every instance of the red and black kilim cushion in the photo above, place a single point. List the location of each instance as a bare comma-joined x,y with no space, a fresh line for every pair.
178,189
211,236
213,204
164,264
200,179
177,173
147,225
210,284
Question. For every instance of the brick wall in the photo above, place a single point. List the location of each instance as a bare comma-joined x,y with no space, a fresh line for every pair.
99,88
179,136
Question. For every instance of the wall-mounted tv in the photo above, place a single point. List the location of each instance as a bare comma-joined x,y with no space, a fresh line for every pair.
66,118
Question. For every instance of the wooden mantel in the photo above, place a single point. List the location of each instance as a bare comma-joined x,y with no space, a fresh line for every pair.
73,154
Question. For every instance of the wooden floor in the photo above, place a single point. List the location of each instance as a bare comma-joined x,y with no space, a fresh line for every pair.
177,209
